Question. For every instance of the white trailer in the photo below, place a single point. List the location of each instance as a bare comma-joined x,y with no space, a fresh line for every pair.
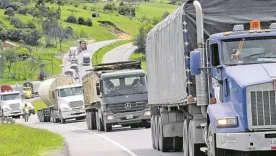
64,100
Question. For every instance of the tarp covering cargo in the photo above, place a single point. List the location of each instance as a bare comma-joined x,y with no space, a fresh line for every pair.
170,41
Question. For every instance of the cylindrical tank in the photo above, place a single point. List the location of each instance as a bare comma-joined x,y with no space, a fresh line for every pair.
47,88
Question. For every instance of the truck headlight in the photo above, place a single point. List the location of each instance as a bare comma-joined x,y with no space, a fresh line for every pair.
147,113
110,117
227,122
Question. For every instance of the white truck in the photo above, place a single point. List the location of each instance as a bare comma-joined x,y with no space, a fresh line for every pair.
64,100
11,104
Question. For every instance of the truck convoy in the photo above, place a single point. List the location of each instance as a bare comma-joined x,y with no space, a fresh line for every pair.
30,89
116,94
64,99
211,78
10,102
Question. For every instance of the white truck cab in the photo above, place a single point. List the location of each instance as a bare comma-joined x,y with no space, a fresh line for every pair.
11,104
70,102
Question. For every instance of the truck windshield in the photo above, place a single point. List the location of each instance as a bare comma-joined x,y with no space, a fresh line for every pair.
125,85
86,59
7,97
70,91
27,88
249,51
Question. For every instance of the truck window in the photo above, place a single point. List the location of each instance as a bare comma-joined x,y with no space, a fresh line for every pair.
11,97
70,91
125,85
249,50
215,54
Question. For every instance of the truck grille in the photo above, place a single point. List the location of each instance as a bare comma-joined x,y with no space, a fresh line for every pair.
263,109
15,106
75,104
121,107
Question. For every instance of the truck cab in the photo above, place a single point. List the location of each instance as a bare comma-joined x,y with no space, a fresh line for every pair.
27,92
242,86
86,59
10,104
70,102
121,98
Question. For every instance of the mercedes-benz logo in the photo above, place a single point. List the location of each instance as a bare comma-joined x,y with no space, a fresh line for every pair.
128,105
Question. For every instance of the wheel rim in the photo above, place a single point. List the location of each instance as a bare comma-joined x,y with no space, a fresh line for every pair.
185,139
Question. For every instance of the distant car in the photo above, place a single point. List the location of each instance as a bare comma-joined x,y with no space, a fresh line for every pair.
86,59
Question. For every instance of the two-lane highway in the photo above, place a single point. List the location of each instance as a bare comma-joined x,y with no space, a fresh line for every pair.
119,142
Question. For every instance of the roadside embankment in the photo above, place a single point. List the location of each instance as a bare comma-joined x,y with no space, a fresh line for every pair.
19,140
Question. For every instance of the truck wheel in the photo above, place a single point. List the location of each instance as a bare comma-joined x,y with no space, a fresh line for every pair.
108,127
88,120
63,121
99,123
194,149
156,132
93,121
153,132
164,143
185,138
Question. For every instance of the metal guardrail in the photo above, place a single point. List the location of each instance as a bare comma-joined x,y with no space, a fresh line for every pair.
7,120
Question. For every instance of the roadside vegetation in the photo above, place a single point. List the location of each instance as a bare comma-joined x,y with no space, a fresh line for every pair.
137,56
19,140
52,26
97,57
38,104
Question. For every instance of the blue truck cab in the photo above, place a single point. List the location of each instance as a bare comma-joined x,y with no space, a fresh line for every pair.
241,67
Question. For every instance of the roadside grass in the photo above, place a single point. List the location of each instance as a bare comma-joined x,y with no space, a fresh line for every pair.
97,57
19,140
136,56
38,104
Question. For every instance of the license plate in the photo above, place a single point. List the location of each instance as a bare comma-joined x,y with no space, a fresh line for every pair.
273,143
129,116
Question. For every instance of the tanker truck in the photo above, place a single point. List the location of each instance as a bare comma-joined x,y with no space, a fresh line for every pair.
64,100
10,102
211,78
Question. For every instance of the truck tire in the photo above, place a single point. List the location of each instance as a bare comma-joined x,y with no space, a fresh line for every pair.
185,138
108,127
164,143
63,121
194,149
153,132
93,121
88,120
99,123
156,132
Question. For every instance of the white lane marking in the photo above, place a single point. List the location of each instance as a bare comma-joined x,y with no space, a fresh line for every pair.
108,139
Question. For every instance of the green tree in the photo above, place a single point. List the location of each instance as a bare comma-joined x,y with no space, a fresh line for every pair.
9,11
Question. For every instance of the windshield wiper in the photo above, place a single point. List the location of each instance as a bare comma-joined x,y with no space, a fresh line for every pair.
246,58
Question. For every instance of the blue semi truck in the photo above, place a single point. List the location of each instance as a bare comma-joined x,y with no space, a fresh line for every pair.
212,78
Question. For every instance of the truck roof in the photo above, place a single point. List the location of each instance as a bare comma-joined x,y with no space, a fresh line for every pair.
86,55
12,92
69,86
122,73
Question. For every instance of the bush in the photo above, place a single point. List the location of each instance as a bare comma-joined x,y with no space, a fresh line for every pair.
84,7
16,22
14,35
4,3
71,19
127,11
14,5
60,2
110,7
81,21
31,11
32,38
89,22
95,15
23,10
31,25
9,12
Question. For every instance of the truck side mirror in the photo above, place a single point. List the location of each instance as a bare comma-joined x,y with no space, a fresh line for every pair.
98,90
195,62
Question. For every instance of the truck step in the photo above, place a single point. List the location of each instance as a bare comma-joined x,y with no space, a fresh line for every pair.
204,149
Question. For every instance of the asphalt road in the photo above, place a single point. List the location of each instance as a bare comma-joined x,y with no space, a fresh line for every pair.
119,142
